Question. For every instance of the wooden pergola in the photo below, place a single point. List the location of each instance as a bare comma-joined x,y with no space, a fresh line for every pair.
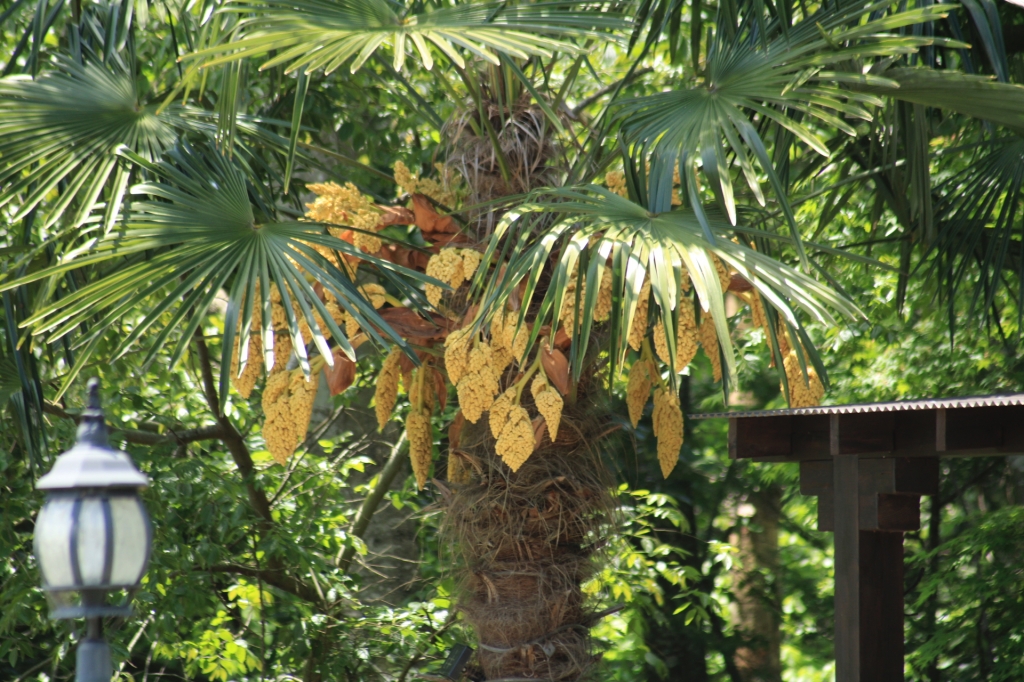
868,465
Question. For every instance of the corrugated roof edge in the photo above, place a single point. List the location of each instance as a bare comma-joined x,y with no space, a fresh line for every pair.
894,406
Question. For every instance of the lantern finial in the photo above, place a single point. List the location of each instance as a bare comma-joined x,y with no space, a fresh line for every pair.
92,427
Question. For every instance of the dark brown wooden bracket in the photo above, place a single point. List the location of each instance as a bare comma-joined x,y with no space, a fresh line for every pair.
889,491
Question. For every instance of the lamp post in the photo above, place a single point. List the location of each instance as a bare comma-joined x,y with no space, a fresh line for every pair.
92,536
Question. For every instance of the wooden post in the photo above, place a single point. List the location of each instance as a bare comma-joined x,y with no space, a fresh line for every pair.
881,606
847,558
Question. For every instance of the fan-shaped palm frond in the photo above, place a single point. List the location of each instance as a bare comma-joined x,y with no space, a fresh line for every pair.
979,224
61,130
792,78
198,235
596,227
324,34
58,133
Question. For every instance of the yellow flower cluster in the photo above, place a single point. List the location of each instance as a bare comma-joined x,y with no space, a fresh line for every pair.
802,392
278,315
567,316
417,425
282,346
456,352
451,266
668,429
638,388
616,182
375,294
336,313
287,407
421,394
686,336
478,385
470,262
386,393
245,382
506,343
282,351
342,206
346,206
439,191
638,330
516,442
421,445
549,404
724,279
603,305
458,473
757,313
498,414
709,341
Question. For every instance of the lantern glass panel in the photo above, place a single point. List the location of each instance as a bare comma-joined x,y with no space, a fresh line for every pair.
53,541
131,540
93,537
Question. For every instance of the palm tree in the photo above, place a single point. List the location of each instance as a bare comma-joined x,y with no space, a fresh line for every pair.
144,187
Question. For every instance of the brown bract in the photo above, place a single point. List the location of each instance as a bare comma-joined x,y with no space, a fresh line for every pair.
416,328
341,376
556,367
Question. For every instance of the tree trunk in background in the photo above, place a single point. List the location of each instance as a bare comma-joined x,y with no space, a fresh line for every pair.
758,601
390,568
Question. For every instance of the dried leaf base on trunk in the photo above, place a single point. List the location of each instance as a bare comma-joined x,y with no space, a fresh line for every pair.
524,543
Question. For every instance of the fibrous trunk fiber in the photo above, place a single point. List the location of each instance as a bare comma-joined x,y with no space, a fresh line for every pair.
524,544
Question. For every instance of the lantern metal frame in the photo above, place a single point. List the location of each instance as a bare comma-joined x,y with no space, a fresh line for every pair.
91,471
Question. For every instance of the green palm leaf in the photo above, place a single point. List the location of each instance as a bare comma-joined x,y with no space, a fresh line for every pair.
61,129
792,78
196,236
978,220
594,225
59,134
977,96
325,34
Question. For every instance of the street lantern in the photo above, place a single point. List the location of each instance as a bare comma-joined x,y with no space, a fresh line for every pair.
92,536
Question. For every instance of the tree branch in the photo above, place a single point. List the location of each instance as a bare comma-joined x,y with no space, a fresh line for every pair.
180,437
278,579
231,437
587,101
369,507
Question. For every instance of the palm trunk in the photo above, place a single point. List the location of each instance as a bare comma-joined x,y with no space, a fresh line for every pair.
524,545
